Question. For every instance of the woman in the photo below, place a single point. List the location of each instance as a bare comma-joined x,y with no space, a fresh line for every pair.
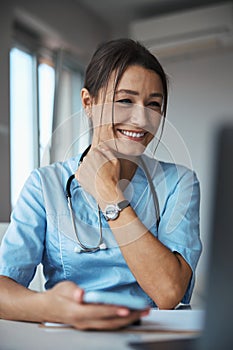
132,225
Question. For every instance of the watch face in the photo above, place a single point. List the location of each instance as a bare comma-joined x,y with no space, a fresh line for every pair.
111,212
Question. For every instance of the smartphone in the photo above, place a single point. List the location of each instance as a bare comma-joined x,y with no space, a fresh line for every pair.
111,298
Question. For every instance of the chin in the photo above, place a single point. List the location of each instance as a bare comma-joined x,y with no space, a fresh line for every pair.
129,148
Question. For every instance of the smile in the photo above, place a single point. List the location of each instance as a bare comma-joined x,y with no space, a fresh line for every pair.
132,133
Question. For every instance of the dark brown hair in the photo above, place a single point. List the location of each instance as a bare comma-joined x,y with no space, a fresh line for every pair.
117,56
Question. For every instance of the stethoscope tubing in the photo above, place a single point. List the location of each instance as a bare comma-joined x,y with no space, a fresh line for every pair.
101,245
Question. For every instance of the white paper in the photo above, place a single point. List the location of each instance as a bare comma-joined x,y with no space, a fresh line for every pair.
173,320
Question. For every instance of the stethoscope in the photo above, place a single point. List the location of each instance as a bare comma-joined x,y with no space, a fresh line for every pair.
82,248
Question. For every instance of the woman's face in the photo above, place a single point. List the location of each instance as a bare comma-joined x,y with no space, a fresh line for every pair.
128,122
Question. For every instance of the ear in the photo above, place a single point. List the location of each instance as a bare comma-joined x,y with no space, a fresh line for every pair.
86,100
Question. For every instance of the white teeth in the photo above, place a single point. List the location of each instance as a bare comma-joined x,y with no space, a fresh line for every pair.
132,134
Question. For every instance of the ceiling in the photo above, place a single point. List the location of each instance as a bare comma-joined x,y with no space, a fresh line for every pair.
117,14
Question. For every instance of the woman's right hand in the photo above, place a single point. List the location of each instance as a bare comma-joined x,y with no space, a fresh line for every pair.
64,304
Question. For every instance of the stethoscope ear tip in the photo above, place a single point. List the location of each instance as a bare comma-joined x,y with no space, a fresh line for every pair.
102,246
77,249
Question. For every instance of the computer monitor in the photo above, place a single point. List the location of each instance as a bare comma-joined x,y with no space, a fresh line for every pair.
218,331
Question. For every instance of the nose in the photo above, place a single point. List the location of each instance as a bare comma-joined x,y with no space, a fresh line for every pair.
139,116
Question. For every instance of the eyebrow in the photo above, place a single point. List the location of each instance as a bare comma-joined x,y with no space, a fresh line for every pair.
135,93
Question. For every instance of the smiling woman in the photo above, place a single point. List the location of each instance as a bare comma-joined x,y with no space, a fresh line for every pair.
136,107
132,225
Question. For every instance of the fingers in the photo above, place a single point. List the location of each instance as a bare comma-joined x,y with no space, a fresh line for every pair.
102,317
64,304
78,295
100,311
108,324
100,161
96,158
103,151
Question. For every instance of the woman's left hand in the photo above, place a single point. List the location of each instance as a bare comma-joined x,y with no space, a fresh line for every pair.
99,174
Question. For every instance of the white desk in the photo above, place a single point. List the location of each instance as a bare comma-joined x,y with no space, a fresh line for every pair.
32,336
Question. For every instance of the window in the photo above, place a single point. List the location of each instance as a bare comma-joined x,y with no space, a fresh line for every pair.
33,97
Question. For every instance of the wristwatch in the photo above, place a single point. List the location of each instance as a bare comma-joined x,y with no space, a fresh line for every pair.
112,210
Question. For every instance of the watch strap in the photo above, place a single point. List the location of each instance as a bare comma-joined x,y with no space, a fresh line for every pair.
123,204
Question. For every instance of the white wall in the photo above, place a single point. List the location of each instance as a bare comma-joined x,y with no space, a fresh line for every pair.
201,98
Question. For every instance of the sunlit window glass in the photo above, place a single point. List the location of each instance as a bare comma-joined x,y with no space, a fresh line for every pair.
21,124
46,76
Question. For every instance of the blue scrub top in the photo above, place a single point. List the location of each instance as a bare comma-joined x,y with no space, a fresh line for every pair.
41,230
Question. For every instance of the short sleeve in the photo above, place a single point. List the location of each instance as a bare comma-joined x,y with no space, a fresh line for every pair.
179,225
22,246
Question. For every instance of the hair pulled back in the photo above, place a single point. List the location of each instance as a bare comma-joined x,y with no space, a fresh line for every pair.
116,56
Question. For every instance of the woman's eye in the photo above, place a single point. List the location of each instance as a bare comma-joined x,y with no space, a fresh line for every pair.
124,100
154,104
